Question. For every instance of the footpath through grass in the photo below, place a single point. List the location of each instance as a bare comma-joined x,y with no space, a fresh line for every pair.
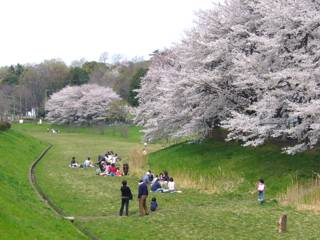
22,214
231,212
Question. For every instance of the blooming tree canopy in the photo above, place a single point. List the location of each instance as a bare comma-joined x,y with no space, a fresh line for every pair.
250,66
86,104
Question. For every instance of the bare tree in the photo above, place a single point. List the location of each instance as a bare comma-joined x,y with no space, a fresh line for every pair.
104,57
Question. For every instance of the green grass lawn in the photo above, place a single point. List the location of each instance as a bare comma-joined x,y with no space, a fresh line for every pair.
22,214
192,214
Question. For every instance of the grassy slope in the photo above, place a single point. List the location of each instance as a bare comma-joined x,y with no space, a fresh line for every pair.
22,214
73,189
227,160
189,215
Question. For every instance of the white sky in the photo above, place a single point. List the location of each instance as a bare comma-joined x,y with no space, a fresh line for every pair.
35,30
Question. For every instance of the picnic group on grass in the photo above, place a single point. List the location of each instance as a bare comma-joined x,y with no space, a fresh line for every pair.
164,184
108,165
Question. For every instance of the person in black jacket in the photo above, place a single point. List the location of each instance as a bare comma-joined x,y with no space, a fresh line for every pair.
126,196
142,196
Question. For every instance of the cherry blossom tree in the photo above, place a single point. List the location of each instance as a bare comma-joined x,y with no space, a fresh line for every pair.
284,71
86,104
251,67
193,92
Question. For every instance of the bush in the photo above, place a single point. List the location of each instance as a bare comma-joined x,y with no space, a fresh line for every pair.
4,125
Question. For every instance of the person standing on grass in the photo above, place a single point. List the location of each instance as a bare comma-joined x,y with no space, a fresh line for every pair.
126,196
261,189
142,197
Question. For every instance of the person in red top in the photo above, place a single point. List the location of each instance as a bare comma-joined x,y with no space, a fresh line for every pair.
112,170
118,173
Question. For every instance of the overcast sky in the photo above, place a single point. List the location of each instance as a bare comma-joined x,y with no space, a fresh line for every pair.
35,30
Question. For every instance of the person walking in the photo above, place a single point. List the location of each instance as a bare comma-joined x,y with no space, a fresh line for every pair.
261,187
126,196
142,196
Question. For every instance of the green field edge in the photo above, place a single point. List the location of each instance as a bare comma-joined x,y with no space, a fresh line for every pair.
44,198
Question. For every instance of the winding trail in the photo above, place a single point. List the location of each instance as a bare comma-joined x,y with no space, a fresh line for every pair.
49,202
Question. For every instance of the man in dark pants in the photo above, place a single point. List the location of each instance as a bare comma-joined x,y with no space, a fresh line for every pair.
142,196
126,196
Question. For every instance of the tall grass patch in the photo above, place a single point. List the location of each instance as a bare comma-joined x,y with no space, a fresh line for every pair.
138,162
304,195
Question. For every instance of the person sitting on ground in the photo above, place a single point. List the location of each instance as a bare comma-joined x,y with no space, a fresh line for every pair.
154,204
74,163
171,185
101,165
112,170
107,167
155,179
118,173
156,186
161,176
125,169
87,163
106,156
114,158
166,177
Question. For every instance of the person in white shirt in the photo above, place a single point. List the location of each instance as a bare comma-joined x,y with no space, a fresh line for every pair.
114,159
171,185
261,189
87,163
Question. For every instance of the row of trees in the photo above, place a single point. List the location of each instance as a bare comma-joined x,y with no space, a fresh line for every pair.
251,67
26,87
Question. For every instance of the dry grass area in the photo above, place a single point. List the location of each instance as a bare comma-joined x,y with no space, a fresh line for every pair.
138,161
303,195
207,183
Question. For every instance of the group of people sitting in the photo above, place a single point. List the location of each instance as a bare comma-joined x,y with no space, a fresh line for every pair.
105,166
160,183
52,130
86,163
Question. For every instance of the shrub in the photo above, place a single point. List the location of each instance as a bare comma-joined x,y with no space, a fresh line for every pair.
4,125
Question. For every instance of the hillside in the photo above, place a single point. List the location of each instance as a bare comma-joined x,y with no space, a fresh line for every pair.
22,214
217,161
228,209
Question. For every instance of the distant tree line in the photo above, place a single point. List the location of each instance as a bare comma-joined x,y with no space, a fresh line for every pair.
27,87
